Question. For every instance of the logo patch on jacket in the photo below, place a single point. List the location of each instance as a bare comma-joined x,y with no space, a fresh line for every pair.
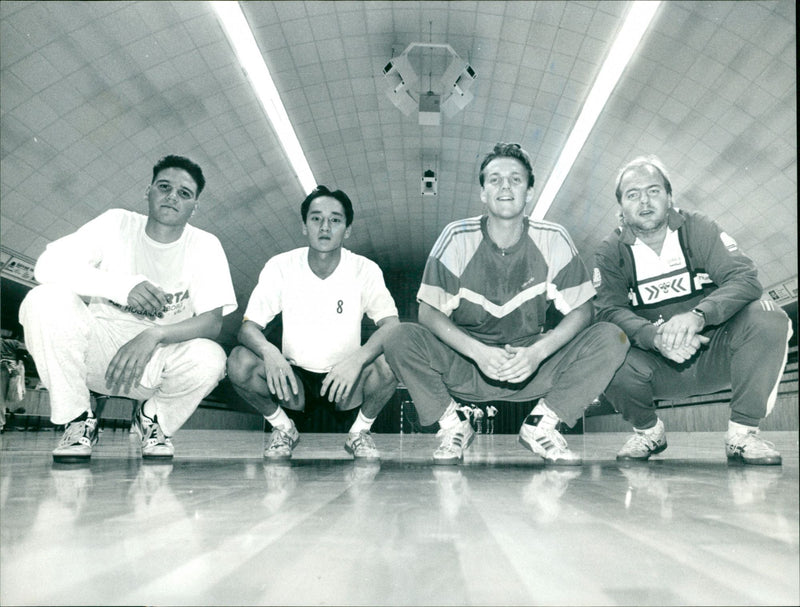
596,278
662,289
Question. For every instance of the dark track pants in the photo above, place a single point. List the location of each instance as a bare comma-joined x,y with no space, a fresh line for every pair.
747,354
568,380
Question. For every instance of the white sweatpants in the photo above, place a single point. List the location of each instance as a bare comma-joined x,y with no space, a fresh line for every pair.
72,350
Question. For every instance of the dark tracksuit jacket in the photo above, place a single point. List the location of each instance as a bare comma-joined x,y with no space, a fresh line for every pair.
717,279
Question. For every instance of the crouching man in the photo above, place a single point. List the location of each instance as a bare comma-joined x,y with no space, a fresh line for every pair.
157,290
323,291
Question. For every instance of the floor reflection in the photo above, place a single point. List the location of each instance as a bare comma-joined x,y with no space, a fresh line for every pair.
501,529
545,490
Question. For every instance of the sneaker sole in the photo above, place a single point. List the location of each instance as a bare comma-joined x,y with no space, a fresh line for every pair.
448,461
762,461
631,458
554,462
71,459
277,458
366,458
452,461
158,457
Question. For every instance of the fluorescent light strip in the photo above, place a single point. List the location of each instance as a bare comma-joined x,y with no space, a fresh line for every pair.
241,38
636,24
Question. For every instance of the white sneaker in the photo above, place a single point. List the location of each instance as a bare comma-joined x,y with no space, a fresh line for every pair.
281,443
155,444
361,446
749,448
76,443
644,443
548,444
454,441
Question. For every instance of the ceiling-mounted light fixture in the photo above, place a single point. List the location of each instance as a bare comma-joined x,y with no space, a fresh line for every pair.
241,38
400,79
429,186
460,94
451,94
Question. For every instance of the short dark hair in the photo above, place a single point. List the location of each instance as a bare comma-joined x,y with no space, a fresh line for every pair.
508,150
322,190
643,161
181,162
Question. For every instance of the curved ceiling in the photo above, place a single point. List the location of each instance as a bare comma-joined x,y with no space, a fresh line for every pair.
93,93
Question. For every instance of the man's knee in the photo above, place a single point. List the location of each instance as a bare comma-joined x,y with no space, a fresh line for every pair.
47,301
381,373
402,340
765,322
209,358
636,369
612,341
241,366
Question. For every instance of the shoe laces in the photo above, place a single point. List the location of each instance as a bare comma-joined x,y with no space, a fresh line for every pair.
641,439
279,439
75,432
154,435
364,441
751,442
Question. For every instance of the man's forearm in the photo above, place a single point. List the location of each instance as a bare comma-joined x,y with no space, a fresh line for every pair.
252,337
446,330
207,325
566,330
373,347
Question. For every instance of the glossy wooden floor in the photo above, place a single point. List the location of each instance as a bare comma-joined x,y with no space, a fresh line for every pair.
218,526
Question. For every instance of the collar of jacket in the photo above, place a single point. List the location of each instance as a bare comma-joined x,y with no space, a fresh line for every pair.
675,220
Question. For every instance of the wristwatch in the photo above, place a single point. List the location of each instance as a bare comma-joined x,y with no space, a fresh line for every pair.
699,313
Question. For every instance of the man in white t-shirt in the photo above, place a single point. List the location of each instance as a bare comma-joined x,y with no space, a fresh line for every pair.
322,291
157,290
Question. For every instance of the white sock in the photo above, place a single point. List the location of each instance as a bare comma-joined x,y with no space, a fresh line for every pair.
736,428
362,423
548,419
279,419
449,418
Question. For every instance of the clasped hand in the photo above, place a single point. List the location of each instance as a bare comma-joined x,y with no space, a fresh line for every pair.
509,363
679,339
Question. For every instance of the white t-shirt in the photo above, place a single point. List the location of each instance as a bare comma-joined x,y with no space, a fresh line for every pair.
321,318
111,254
